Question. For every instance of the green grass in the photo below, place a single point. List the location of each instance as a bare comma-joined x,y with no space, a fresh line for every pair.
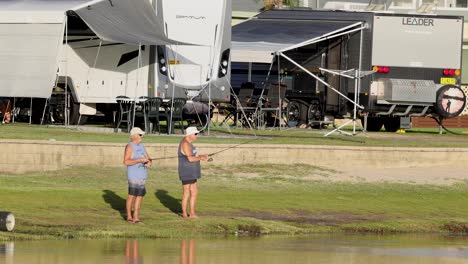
268,199
223,135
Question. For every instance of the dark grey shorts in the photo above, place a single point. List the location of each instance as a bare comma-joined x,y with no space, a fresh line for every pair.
137,187
189,182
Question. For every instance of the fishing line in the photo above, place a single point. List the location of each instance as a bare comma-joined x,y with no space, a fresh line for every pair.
211,154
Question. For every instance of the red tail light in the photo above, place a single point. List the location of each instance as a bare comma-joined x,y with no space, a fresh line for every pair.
381,69
451,72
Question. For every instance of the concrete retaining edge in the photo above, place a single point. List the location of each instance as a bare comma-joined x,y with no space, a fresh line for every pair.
18,156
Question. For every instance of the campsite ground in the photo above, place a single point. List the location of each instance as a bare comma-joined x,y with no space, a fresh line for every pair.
253,199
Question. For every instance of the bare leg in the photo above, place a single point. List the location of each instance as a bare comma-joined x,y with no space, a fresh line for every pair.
193,199
185,198
130,200
136,211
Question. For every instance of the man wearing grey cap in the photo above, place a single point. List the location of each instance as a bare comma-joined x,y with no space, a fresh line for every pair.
137,161
189,170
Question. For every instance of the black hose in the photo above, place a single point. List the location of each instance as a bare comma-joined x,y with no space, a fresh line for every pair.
446,129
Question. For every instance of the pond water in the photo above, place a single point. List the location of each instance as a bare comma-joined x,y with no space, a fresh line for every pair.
400,249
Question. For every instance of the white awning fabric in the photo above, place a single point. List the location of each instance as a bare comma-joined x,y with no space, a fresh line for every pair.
124,21
255,40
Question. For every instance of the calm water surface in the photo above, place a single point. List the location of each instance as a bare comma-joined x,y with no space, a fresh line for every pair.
401,249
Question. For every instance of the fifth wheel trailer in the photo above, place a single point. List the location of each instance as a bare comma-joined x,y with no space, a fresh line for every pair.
97,50
410,64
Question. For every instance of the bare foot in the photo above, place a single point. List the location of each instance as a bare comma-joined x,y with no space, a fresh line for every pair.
194,216
185,216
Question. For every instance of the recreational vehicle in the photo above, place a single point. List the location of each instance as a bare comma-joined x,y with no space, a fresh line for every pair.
385,67
186,55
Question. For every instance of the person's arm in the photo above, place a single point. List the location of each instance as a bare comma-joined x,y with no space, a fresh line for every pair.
128,161
187,151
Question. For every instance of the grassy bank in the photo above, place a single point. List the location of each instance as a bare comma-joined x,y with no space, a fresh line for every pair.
225,135
246,200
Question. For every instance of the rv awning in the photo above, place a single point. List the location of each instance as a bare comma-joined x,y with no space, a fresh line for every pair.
256,39
131,22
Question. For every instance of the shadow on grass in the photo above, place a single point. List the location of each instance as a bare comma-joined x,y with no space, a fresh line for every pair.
116,202
169,202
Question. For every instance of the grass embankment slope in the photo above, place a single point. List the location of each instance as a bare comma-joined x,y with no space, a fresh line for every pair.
225,135
255,199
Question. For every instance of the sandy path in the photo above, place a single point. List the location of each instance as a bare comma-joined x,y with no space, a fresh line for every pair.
436,175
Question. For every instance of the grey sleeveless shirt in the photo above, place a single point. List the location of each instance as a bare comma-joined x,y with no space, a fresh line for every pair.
188,170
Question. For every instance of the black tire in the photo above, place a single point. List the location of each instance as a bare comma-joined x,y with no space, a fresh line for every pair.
296,112
75,113
450,101
314,113
37,110
392,124
374,124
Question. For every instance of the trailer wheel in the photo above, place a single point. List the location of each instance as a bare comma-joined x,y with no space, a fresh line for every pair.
374,124
314,113
392,124
75,113
450,101
296,112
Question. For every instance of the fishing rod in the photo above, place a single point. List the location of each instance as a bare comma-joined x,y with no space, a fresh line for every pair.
209,155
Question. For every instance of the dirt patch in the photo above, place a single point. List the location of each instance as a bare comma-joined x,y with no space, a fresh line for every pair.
305,217
456,227
248,230
373,230
433,175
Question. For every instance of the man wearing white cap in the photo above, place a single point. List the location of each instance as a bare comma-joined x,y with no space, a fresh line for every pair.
137,161
189,170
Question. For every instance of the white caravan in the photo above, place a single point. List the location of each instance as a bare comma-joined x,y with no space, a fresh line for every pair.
97,61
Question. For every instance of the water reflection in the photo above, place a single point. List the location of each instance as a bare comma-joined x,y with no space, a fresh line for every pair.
324,248
132,252
6,252
187,251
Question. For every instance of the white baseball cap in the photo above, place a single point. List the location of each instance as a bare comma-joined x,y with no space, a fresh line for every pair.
136,131
191,130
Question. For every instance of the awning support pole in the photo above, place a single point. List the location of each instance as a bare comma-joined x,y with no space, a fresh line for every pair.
357,90
67,110
259,105
13,110
320,80
43,111
88,81
30,112
357,82
279,92
137,82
